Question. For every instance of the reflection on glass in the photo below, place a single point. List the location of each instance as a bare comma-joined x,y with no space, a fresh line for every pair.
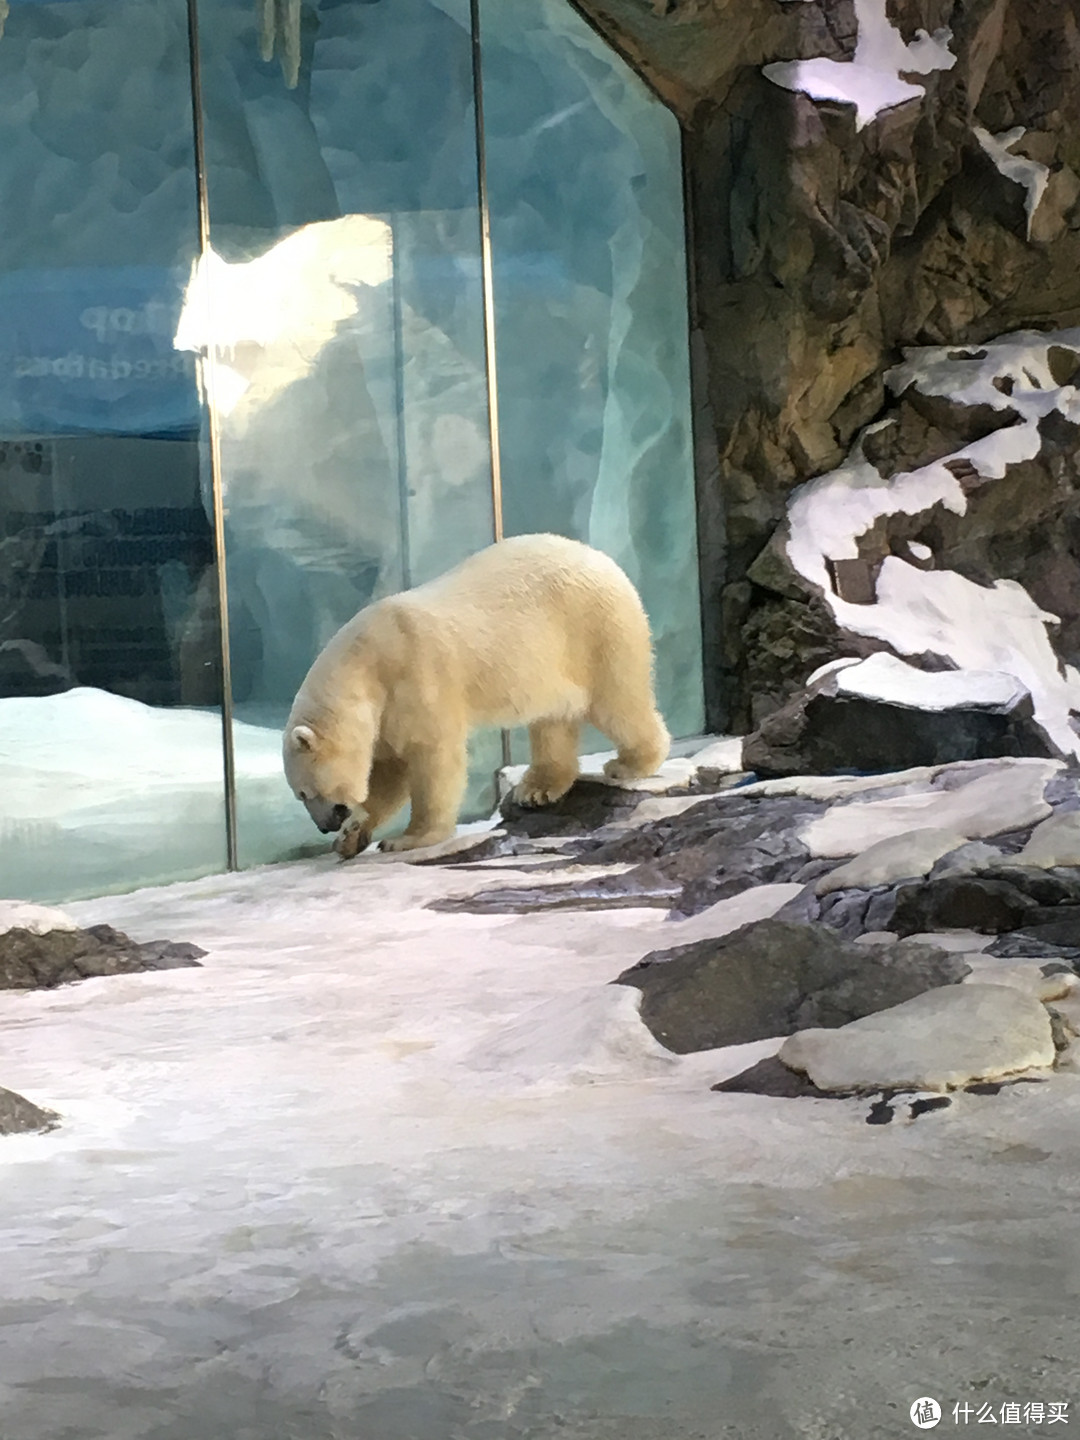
585,186
343,309
110,736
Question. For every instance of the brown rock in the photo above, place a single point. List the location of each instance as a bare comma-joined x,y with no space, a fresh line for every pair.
29,961
18,1116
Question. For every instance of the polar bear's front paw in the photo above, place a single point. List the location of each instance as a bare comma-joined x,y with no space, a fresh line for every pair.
354,838
539,787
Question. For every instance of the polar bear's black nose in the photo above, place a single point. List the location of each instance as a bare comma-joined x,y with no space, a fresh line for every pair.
337,817
327,817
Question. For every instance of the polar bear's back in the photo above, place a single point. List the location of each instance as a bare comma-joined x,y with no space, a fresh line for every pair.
530,627
529,580
526,568
530,624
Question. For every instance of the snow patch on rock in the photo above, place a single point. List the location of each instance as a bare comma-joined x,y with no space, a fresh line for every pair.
1030,174
871,79
1055,842
888,678
995,629
38,919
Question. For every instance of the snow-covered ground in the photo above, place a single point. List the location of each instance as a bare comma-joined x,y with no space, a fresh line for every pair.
98,791
385,1173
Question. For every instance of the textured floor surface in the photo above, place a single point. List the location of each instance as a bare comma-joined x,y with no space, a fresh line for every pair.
379,1172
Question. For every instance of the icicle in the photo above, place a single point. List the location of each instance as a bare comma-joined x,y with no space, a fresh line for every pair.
279,30
264,10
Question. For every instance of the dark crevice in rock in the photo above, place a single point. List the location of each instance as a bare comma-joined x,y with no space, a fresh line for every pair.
641,887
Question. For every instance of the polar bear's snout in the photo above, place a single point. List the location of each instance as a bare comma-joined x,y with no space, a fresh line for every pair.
326,816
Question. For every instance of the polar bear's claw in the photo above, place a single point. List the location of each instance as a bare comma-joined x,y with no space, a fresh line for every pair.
533,791
353,839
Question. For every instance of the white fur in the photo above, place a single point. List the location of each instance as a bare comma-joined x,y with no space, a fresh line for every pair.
536,630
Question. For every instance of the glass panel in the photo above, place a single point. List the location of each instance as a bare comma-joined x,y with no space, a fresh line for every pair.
585,186
110,733
344,305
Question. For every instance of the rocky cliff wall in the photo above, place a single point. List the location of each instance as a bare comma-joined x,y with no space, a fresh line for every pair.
925,193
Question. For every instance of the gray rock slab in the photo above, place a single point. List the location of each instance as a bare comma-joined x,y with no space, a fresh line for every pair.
985,904
883,714
1055,842
899,857
1052,931
645,885
1009,797
468,849
678,772
686,862
939,1040
1021,944
1005,898
587,805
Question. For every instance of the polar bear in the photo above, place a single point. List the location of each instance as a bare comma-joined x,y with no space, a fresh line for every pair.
535,630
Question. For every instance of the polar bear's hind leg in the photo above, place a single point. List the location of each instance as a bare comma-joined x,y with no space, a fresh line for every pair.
624,709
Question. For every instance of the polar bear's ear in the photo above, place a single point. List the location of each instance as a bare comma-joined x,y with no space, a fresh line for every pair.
302,737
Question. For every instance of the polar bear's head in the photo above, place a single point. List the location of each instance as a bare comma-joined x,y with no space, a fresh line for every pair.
327,777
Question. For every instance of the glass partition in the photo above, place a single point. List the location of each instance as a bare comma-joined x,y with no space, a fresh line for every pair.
343,301
339,317
110,731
